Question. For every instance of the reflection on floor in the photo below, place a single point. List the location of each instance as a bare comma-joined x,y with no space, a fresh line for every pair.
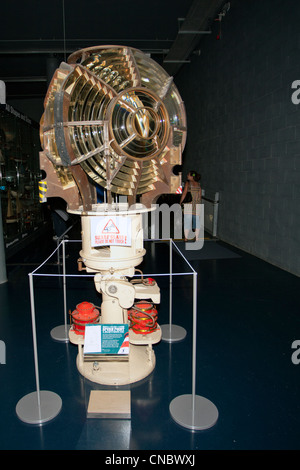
247,320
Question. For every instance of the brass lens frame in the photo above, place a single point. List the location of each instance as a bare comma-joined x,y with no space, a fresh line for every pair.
114,114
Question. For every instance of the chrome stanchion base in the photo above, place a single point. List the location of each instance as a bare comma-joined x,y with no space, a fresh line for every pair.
60,333
202,416
172,333
30,411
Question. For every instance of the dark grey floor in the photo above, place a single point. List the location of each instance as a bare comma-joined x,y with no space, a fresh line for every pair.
247,320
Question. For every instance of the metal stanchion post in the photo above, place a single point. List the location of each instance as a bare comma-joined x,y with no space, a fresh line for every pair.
171,333
61,332
40,406
193,411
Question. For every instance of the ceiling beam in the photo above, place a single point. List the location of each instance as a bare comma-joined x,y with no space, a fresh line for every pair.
194,26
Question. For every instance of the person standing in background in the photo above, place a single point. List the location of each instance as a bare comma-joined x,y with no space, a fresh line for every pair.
191,209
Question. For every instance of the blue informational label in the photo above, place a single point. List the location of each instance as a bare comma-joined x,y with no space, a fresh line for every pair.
106,339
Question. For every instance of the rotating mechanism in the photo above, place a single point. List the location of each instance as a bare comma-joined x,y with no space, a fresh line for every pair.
113,118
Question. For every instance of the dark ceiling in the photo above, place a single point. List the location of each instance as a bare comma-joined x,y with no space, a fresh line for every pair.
36,35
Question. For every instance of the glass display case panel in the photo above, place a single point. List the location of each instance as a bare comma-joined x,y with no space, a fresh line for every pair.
22,213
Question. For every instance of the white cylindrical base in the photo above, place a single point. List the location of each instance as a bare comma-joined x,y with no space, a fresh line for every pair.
202,415
60,333
172,333
30,411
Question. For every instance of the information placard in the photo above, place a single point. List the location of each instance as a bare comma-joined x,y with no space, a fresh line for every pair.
110,230
106,339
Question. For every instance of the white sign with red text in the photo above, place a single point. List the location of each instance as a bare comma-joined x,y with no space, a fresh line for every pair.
110,230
